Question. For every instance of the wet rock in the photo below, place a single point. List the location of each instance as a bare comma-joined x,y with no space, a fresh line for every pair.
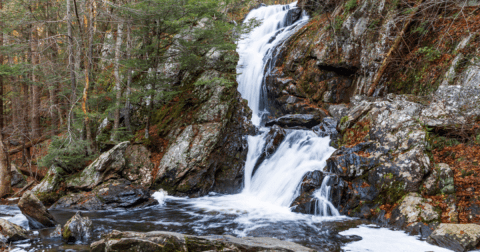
274,138
328,127
36,213
457,237
10,232
413,209
18,180
139,167
160,241
440,181
112,195
57,233
422,229
291,121
109,165
78,228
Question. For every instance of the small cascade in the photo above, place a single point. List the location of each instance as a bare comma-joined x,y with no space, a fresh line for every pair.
323,198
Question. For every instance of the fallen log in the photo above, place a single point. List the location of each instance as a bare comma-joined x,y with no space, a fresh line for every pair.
23,189
27,145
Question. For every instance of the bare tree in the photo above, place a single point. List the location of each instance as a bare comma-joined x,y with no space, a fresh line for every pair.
118,89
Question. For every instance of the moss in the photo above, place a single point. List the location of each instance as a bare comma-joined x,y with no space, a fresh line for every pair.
66,234
49,198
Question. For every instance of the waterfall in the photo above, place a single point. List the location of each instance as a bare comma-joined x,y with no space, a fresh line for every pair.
278,178
323,206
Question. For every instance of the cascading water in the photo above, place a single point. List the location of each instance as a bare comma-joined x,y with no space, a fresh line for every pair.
323,205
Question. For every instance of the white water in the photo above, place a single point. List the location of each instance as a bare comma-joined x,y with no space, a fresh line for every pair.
324,207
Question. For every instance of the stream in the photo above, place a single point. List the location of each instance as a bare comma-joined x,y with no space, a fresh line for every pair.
262,209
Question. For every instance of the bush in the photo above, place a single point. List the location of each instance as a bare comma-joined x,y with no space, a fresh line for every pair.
69,155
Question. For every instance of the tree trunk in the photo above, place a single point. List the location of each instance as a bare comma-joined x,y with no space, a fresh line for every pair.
35,87
71,66
129,81
5,172
118,90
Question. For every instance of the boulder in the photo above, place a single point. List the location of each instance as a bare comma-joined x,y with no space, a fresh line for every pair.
457,237
109,165
111,195
413,209
169,241
78,228
51,182
36,213
440,180
207,153
139,167
274,138
10,232
292,121
328,127
57,233
18,180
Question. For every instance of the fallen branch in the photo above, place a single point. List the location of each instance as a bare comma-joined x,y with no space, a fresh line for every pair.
394,47
27,145
23,189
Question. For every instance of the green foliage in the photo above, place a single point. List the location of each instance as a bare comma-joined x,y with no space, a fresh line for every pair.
70,154
350,5
374,24
422,28
430,53
338,22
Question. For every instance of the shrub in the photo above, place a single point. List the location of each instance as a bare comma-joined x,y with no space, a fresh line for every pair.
69,155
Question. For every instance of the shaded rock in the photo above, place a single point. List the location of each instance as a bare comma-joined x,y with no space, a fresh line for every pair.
440,181
422,229
291,121
162,241
18,180
36,213
139,167
10,232
274,138
109,165
338,111
457,237
328,127
208,153
78,228
111,195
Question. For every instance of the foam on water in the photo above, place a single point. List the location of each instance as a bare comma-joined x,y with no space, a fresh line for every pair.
386,240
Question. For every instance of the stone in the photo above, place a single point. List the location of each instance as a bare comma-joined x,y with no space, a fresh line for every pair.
11,232
51,182
109,165
36,213
57,233
413,209
291,121
457,237
119,194
78,228
18,180
328,127
440,180
139,167
162,241
275,137
338,111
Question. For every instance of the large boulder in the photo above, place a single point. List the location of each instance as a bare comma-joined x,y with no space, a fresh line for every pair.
457,237
440,180
51,182
207,152
111,195
139,168
109,165
36,213
168,241
78,228
10,232
413,209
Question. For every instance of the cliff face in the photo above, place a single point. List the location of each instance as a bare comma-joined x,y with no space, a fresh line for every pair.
398,106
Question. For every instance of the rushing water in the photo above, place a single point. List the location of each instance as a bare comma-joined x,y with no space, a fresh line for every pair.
263,207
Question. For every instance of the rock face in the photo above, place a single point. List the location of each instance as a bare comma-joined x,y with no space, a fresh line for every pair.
111,195
108,165
413,209
139,168
36,213
293,121
168,241
209,153
457,237
78,228
440,181
10,232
